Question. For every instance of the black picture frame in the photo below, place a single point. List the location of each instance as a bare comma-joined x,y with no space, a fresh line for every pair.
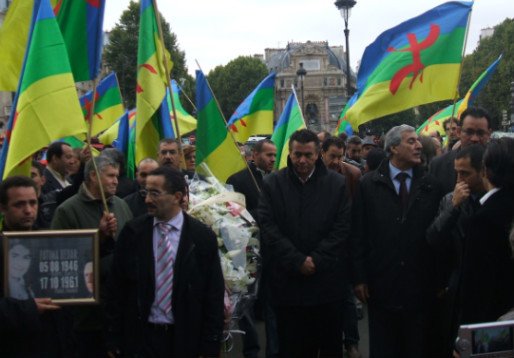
59,264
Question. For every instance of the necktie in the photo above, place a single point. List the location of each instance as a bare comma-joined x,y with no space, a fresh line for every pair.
404,193
164,269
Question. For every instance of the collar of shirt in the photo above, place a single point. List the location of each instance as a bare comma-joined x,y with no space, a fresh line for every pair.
263,173
308,177
62,180
177,221
488,195
394,171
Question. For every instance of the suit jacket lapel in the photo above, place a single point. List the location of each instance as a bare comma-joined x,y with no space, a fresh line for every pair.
147,266
185,248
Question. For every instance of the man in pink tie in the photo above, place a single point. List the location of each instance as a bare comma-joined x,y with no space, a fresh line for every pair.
165,293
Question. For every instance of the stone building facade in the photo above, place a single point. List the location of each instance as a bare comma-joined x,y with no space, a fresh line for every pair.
324,85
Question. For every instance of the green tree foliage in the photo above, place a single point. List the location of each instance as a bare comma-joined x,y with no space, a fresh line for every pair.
121,52
233,82
495,97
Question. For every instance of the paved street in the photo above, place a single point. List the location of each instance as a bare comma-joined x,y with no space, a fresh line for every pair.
237,351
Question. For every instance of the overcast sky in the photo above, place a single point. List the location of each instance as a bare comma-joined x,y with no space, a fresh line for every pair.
215,32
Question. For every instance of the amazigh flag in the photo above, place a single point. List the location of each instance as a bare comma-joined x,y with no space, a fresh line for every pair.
125,141
343,125
186,122
289,122
214,145
255,114
413,63
108,104
14,35
436,121
81,23
151,82
110,134
46,106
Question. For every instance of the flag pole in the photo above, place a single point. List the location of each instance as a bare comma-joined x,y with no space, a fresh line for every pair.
168,84
89,146
296,98
461,63
187,97
230,133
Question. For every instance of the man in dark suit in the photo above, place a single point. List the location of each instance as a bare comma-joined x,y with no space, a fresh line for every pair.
392,262
475,128
136,200
165,293
60,157
264,154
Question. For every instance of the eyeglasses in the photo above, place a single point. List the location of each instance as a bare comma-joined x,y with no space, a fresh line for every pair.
152,193
471,132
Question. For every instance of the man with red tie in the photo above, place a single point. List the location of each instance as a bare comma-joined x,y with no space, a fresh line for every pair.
165,294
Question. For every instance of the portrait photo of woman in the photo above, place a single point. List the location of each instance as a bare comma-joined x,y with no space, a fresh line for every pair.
19,264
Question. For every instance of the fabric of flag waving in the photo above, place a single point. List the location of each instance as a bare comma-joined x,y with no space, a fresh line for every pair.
413,63
435,122
343,125
186,122
108,104
46,106
81,23
255,114
151,82
214,145
290,121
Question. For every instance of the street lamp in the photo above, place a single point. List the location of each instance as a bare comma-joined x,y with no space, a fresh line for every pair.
345,7
301,73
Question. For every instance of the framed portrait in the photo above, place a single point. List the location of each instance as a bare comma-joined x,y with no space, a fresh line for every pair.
62,265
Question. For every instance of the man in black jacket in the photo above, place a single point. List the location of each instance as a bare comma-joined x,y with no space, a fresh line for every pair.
393,264
475,128
136,200
165,293
304,217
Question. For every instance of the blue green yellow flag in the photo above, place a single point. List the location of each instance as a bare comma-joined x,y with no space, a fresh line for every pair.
414,63
214,145
289,122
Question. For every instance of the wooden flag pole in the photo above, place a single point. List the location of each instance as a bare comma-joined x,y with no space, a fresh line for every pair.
230,133
168,84
89,146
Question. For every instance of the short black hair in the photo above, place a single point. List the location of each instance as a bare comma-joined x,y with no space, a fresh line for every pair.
304,136
375,157
257,148
330,141
14,182
476,112
173,179
40,167
450,120
55,150
499,162
475,153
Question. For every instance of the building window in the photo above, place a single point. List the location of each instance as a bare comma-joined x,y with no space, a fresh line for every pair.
339,81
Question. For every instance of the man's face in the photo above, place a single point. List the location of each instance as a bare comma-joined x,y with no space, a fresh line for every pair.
159,202
190,160
89,277
39,179
452,130
142,172
333,157
366,149
20,213
408,152
109,179
265,160
169,155
469,175
353,151
64,163
474,131
303,156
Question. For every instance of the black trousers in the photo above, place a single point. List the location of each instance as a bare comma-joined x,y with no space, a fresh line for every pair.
306,331
398,333
158,341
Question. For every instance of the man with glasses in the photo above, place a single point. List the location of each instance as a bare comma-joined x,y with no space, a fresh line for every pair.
304,217
475,128
165,293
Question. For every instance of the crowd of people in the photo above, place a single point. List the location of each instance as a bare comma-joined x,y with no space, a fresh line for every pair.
416,228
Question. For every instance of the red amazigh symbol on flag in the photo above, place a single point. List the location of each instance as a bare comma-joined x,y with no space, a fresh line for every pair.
416,67
233,128
243,123
57,7
150,68
93,3
88,104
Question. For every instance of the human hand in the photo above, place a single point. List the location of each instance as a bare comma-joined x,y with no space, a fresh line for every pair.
108,224
45,304
460,193
308,268
362,292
